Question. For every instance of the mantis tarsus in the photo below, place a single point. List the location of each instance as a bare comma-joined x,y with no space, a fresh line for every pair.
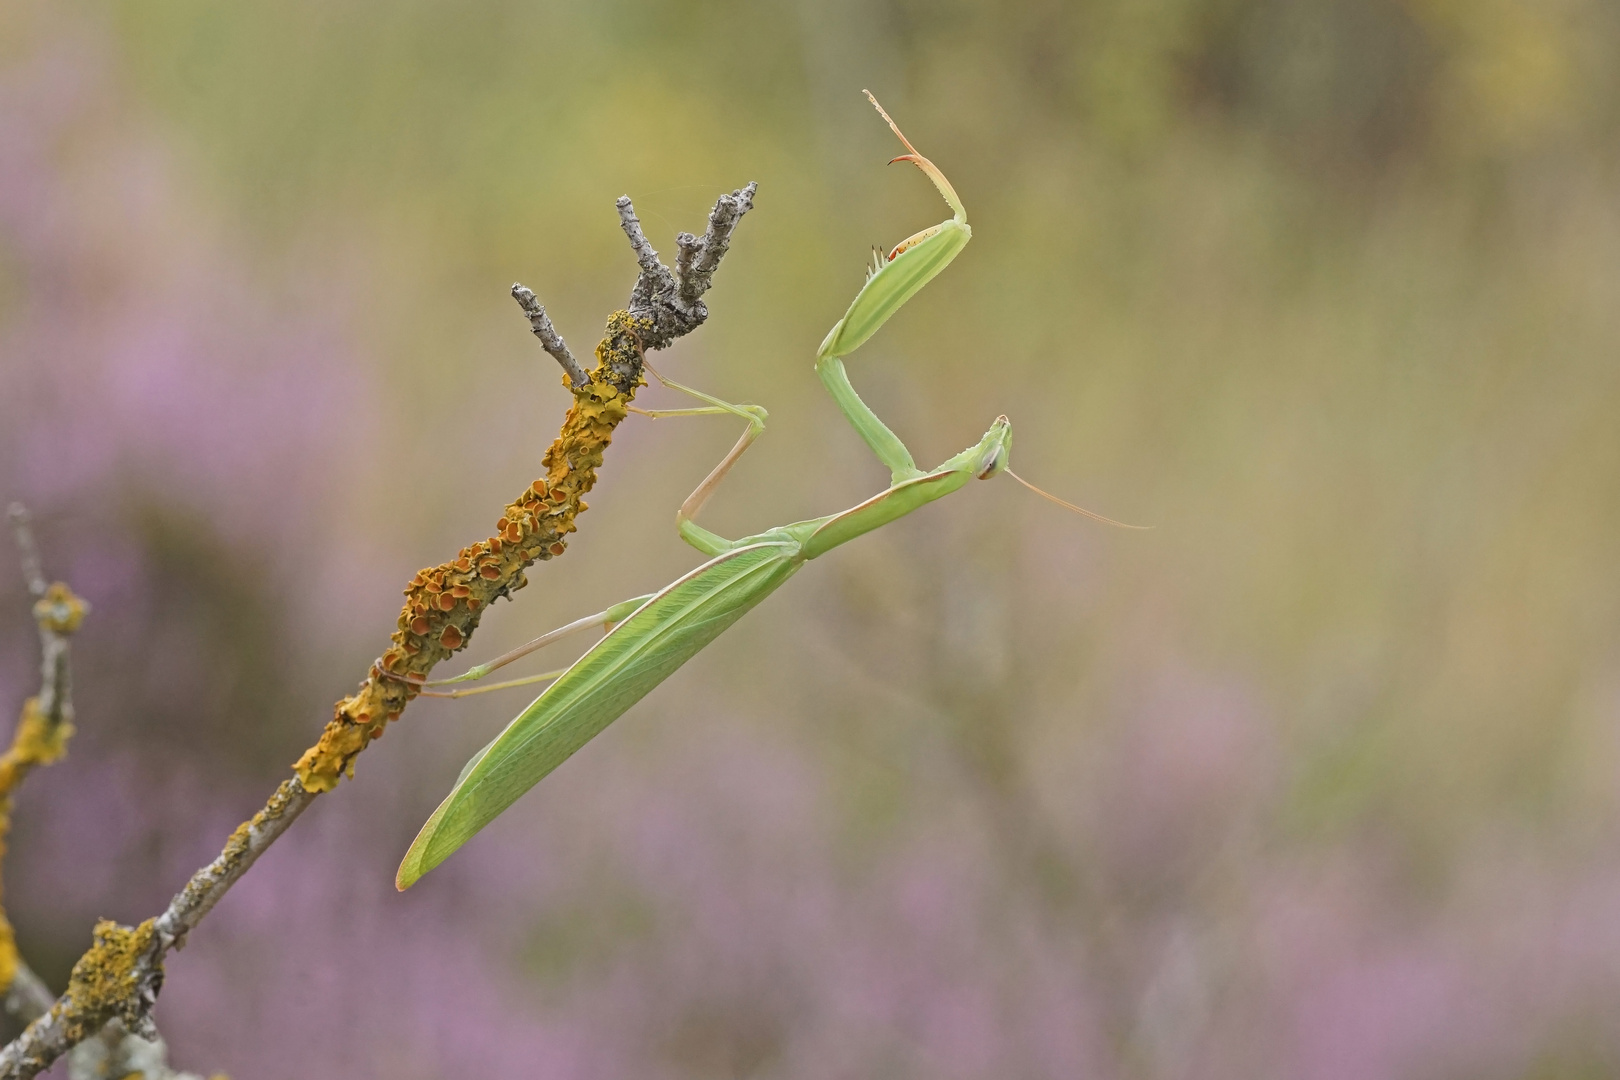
653,635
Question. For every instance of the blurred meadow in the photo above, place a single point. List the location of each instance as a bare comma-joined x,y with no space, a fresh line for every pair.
1315,780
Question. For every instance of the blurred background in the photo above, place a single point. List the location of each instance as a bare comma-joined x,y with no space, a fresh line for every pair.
1315,780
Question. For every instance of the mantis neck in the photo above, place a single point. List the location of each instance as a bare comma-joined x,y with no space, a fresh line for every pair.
820,535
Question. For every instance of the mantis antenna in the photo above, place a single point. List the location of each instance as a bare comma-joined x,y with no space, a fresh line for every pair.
1094,516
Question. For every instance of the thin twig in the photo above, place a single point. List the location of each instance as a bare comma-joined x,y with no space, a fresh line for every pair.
250,840
120,976
646,255
550,340
22,529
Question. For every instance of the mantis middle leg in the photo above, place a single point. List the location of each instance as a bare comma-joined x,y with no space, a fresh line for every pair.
605,619
685,518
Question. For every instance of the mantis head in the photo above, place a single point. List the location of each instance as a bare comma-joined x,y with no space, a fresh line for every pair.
994,450
992,456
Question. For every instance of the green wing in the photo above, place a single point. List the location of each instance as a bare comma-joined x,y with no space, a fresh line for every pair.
618,671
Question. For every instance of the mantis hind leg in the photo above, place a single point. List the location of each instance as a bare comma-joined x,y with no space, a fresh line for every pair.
685,518
605,619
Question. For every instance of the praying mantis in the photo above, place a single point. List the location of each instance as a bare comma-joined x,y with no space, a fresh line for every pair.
651,636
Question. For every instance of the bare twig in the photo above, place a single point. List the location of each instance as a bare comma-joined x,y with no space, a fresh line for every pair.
652,270
120,976
247,843
550,340
58,613
22,529
716,242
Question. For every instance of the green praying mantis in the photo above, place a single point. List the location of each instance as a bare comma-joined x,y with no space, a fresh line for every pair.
650,636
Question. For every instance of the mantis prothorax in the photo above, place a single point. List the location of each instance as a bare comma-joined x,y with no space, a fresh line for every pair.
653,635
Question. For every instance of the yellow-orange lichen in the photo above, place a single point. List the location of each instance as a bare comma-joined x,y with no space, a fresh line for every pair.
103,982
38,740
443,603
59,610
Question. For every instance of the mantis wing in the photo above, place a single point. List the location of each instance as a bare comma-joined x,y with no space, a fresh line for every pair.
618,671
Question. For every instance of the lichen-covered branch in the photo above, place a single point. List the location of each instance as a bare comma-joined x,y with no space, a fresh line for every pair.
41,738
37,741
107,982
58,613
444,603
118,979
116,983
41,735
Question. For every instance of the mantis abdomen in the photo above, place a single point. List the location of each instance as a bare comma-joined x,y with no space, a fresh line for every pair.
641,652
